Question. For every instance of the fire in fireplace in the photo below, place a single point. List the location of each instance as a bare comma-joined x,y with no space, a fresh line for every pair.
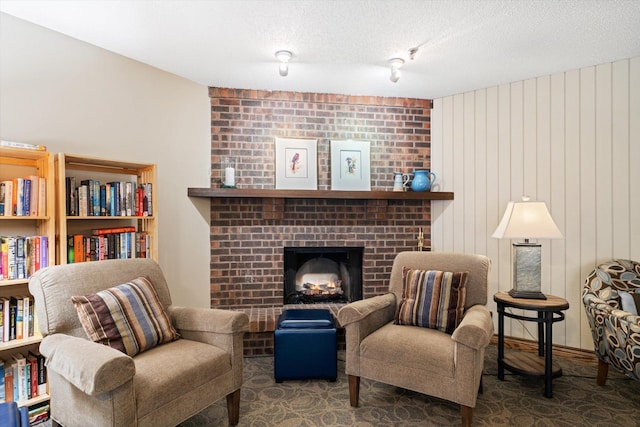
322,274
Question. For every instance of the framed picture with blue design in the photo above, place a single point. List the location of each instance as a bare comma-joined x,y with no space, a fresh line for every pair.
350,165
296,164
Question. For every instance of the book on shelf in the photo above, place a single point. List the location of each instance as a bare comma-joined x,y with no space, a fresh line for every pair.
38,414
6,319
115,198
22,377
13,317
23,145
108,243
92,196
78,248
71,196
2,319
2,197
41,372
18,318
22,256
111,230
23,196
8,380
8,204
34,196
18,191
32,364
3,393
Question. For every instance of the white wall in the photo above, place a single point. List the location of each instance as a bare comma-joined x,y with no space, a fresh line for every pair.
80,99
571,140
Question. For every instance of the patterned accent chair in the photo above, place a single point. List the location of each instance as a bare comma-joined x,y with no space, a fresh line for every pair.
92,384
422,359
616,333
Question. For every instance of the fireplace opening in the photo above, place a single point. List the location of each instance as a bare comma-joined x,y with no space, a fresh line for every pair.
322,274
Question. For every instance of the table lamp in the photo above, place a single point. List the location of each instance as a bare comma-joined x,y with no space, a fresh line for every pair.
527,220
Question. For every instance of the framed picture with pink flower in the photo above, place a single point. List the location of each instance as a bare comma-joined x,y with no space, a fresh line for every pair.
350,165
296,164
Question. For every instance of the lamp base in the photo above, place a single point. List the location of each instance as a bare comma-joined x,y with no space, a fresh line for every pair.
526,294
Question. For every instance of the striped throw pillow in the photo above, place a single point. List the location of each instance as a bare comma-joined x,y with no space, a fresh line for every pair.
432,299
127,317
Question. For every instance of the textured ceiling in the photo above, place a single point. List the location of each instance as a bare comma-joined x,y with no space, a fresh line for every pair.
344,46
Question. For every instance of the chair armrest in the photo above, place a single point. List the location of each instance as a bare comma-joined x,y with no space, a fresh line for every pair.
476,328
93,368
600,313
208,320
359,310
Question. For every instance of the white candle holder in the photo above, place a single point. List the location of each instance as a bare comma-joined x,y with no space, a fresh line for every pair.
228,172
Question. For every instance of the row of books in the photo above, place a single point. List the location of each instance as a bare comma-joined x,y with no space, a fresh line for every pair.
25,196
17,318
117,198
21,256
23,377
39,414
108,243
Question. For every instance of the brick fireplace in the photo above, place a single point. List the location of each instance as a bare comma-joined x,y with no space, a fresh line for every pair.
248,235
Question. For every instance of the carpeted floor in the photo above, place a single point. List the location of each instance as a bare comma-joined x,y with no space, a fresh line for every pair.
516,401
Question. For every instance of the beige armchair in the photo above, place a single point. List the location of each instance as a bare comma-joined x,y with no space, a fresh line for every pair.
93,384
425,360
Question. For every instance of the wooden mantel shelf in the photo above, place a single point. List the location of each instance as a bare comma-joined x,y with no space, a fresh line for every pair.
316,194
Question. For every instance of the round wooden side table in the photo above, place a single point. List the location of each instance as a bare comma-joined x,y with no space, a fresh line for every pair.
548,312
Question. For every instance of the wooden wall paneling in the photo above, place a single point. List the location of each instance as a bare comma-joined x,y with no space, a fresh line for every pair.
620,159
556,136
603,164
437,209
573,214
480,239
634,155
547,164
530,161
503,262
458,179
587,188
518,179
492,182
570,139
449,165
470,183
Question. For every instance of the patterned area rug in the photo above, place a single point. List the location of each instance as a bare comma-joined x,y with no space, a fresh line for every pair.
516,401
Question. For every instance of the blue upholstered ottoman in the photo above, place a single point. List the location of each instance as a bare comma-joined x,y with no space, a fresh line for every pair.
305,345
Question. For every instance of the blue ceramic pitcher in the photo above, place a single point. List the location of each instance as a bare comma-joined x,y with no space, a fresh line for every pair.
422,180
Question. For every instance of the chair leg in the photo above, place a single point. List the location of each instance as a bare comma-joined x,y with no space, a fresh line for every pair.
467,415
603,371
233,407
354,390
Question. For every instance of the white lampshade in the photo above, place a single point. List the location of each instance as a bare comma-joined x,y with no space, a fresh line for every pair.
527,220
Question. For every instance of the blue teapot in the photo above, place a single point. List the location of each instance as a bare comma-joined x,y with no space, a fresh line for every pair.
422,180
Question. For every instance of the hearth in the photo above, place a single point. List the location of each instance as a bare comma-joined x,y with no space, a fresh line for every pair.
322,274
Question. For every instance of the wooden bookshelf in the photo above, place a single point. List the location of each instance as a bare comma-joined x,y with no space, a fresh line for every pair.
16,163
103,170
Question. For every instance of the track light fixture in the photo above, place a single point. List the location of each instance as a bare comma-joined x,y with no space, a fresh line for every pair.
284,56
395,63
